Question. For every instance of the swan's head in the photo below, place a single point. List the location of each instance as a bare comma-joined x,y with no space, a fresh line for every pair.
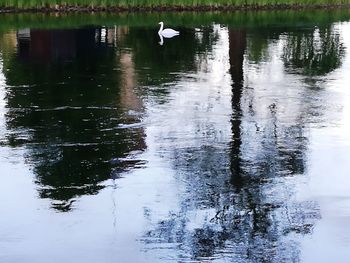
160,23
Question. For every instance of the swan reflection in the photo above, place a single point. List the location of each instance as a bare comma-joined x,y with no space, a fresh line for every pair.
166,33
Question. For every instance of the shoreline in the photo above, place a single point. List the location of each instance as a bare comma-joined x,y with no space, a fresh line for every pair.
169,8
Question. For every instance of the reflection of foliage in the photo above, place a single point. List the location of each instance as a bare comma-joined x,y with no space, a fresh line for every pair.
316,52
257,45
66,112
158,61
251,220
67,98
252,224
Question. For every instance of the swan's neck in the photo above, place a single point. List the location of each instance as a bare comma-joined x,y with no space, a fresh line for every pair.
161,28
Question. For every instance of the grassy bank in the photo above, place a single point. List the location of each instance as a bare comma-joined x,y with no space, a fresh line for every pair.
103,5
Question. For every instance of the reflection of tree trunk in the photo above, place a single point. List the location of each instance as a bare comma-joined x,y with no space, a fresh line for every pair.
237,42
128,98
122,32
8,43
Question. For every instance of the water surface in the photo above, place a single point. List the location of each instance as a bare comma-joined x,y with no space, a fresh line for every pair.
228,143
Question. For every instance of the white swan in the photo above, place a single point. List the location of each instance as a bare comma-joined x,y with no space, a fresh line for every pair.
167,32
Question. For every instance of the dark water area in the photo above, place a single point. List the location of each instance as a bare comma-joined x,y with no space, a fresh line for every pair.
227,143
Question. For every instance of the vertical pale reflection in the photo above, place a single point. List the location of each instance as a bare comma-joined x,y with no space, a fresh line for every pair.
2,97
190,134
330,173
203,102
17,191
345,29
273,153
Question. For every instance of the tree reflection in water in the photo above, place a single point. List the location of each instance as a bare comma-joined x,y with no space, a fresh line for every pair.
314,52
243,196
65,102
75,102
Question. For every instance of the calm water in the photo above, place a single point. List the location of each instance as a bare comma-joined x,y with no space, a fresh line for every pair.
228,143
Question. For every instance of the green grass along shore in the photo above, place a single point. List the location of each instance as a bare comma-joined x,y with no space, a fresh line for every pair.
159,5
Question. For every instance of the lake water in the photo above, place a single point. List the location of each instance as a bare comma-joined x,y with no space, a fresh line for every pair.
227,143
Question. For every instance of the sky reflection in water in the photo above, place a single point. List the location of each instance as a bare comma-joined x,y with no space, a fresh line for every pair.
226,144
